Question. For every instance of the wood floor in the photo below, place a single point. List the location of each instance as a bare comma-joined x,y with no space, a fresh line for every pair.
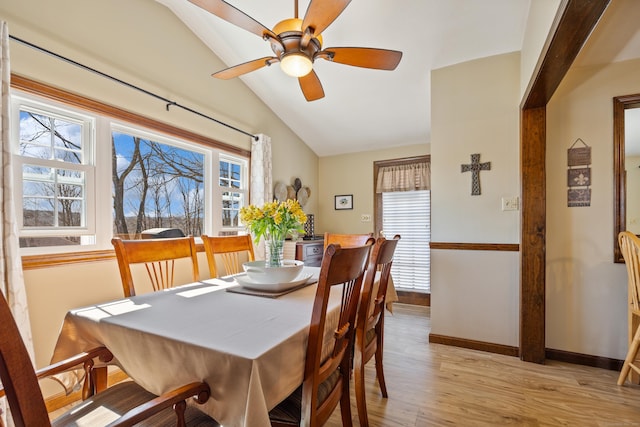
439,385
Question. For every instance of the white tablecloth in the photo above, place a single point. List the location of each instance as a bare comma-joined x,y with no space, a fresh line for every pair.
249,349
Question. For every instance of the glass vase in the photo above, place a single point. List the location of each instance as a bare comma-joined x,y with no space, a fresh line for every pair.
274,252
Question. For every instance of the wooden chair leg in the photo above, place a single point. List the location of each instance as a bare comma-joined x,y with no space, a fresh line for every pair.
380,372
361,401
631,357
378,357
345,403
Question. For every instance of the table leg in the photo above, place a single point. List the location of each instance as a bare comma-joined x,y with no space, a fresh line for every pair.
100,378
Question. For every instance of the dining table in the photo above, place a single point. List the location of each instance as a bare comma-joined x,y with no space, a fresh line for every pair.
249,346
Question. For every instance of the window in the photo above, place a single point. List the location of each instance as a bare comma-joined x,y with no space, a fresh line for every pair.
156,184
402,206
407,213
232,198
54,175
81,178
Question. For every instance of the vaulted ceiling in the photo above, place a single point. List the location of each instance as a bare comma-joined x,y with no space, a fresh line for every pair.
364,109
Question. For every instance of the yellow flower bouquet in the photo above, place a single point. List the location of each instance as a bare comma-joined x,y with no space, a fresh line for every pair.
273,221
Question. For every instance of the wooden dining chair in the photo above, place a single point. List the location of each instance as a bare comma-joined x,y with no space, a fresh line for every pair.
230,250
346,240
370,321
158,256
630,248
327,366
123,404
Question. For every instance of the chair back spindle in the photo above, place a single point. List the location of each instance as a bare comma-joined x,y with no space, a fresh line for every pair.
231,251
159,258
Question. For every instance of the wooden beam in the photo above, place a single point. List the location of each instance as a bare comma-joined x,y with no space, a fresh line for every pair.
573,24
571,28
533,226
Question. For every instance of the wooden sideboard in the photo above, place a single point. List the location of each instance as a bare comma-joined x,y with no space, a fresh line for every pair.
310,251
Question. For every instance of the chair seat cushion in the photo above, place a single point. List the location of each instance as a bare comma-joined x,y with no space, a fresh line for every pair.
289,411
107,406
370,335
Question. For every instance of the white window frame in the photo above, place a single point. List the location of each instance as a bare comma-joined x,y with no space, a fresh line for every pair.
88,166
219,191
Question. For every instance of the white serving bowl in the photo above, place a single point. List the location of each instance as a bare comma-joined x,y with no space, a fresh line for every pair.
259,273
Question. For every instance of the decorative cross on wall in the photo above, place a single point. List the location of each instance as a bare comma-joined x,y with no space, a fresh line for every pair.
475,167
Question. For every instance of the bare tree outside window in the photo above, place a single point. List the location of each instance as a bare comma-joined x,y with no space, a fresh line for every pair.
52,196
156,185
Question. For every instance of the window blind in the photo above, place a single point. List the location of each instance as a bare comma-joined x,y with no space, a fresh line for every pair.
407,213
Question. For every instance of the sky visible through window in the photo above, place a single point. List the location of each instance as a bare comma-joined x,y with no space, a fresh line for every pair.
156,185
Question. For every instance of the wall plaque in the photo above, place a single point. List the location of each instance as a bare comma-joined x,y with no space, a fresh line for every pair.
579,175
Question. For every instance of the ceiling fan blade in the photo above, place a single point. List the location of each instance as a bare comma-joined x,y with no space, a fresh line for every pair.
311,86
321,13
229,13
240,69
366,57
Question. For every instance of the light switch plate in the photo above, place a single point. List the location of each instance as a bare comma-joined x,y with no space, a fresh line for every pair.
365,218
510,203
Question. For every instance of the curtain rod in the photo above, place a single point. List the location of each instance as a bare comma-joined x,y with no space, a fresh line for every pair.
169,102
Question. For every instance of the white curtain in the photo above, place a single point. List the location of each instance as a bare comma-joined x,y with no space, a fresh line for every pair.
409,177
11,266
261,179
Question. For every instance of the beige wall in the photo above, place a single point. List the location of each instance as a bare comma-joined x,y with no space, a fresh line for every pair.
586,291
475,109
353,174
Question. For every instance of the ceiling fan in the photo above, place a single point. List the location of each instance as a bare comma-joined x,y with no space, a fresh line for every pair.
297,43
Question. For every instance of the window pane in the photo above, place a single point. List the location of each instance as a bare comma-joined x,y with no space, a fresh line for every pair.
37,212
43,188
231,204
236,175
230,175
69,213
46,137
31,188
156,185
224,172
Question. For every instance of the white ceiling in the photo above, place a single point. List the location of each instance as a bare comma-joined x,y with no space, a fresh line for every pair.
365,109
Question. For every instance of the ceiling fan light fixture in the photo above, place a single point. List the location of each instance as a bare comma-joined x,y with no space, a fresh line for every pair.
296,64
292,25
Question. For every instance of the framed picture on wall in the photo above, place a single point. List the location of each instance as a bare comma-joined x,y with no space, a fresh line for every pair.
344,201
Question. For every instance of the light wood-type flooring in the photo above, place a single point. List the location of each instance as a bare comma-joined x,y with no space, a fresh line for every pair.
439,385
